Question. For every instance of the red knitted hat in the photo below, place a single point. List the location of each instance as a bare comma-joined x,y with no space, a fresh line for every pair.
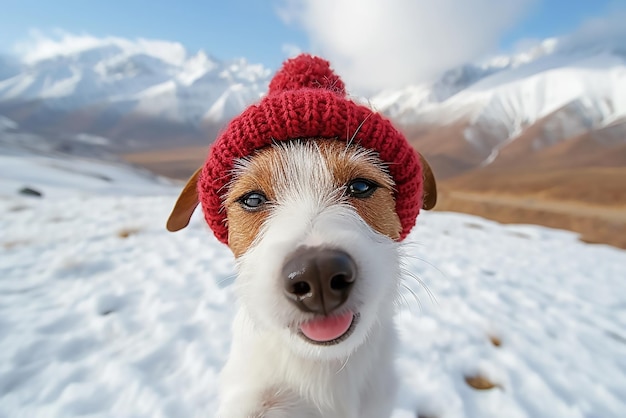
307,100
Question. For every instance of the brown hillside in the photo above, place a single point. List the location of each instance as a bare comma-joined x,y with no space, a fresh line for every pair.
595,224
537,148
446,149
594,185
177,163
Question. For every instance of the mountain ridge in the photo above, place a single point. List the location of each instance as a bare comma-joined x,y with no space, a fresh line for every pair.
146,94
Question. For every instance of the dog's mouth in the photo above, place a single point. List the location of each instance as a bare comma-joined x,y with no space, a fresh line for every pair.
329,330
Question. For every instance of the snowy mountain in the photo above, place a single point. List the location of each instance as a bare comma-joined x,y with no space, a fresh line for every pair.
147,77
569,90
520,89
153,94
104,313
9,67
140,93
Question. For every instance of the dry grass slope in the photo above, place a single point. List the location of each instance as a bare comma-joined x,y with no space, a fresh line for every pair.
178,163
595,223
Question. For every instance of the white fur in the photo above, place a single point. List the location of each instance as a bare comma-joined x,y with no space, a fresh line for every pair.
272,371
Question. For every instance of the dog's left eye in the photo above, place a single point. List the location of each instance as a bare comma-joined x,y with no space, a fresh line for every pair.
361,188
253,201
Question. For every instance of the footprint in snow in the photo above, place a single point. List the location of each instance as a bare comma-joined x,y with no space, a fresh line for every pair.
76,268
110,303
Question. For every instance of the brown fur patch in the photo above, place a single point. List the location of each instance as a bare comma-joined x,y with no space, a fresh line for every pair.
377,210
244,226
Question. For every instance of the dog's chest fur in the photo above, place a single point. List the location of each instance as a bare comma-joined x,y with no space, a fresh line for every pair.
264,378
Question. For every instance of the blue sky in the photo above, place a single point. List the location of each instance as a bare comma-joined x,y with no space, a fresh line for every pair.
549,18
234,28
225,29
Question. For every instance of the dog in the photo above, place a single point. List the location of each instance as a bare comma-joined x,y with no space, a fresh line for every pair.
314,225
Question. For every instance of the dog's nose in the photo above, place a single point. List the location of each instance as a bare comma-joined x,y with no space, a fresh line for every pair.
318,280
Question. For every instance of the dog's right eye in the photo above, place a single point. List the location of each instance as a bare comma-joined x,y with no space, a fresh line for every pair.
361,188
253,201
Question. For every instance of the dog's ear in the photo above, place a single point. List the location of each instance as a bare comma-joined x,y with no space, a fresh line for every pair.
185,205
430,186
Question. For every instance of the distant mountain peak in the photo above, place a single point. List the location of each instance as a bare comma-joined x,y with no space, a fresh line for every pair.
142,92
123,77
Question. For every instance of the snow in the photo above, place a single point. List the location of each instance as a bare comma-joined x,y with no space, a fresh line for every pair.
6,124
92,139
196,67
60,175
230,103
104,313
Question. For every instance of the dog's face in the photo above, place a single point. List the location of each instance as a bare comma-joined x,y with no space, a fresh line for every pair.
313,226
314,229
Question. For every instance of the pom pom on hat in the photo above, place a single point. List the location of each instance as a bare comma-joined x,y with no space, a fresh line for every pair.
306,71
306,99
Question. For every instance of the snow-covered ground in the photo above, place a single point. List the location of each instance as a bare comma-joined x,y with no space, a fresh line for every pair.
31,161
103,313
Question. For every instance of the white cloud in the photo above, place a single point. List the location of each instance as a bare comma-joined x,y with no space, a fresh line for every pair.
378,44
40,46
291,50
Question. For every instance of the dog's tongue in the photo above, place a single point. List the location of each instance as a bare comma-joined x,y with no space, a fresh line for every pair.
327,328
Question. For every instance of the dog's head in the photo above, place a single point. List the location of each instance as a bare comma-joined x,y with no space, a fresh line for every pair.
313,226
313,221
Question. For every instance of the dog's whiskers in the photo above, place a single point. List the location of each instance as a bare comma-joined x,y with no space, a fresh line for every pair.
417,299
406,255
404,250
351,140
422,284
401,300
